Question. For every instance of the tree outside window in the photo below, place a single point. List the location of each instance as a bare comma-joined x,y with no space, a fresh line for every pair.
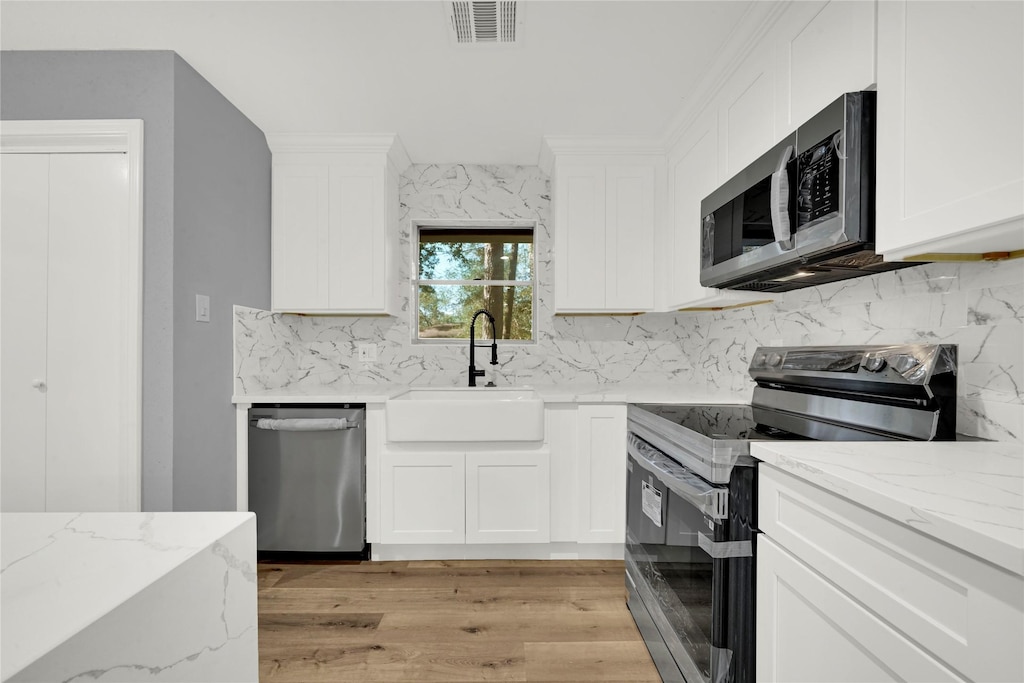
463,270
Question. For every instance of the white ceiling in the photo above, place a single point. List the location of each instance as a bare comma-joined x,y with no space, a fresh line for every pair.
584,68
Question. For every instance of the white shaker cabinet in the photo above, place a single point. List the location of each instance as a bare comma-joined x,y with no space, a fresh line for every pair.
812,54
422,497
822,50
605,211
950,128
746,111
844,593
508,497
335,235
479,496
693,174
809,630
601,440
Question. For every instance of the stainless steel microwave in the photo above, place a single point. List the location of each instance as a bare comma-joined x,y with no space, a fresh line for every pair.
804,213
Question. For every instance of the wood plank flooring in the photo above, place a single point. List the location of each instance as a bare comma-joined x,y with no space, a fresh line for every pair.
512,620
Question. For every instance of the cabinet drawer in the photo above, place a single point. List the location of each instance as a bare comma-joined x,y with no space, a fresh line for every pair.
966,611
808,630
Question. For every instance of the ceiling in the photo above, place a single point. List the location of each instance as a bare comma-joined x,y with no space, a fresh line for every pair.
583,68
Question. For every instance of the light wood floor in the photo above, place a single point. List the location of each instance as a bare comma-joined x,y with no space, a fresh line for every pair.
449,621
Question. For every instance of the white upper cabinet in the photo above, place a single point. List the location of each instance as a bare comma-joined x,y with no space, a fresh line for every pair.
580,238
950,128
605,211
811,54
692,174
335,234
746,112
822,50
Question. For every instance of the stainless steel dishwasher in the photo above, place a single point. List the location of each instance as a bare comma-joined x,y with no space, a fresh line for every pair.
307,478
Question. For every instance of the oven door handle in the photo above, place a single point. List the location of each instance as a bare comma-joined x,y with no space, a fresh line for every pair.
723,550
712,501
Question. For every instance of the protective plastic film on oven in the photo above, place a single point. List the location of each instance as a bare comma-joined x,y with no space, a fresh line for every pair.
665,548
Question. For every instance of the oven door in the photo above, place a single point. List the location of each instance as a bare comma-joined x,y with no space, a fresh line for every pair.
686,574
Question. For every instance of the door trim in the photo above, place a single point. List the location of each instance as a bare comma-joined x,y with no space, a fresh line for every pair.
92,136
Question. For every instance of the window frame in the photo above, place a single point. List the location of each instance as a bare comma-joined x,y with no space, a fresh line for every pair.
462,224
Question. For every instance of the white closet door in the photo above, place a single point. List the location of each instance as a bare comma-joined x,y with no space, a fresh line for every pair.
24,214
80,350
85,331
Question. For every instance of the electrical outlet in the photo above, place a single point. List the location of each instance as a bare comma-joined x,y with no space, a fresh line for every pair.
367,353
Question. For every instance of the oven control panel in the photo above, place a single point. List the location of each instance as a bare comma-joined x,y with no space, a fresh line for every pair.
896,364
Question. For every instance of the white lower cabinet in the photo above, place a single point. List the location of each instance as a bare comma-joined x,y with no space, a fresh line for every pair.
602,473
844,593
423,497
569,489
452,497
809,630
507,497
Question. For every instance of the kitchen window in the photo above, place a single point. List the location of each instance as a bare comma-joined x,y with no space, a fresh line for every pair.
464,269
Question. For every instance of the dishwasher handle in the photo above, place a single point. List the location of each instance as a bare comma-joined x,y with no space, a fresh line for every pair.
305,424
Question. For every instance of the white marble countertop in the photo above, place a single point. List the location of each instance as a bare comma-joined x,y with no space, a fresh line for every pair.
555,393
967,494
61,572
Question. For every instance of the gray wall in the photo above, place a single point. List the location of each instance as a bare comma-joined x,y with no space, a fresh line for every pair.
122,85
141,84
221,249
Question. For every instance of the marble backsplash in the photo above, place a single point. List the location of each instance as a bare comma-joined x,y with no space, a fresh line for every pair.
979,306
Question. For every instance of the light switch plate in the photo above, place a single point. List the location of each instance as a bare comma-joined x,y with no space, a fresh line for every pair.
202,308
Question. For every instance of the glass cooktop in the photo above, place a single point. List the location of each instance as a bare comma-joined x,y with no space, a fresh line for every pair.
724,421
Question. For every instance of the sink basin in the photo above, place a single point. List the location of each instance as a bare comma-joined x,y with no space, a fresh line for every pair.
465,414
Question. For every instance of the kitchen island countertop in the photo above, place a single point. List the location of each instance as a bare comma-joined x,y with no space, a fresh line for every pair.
969,495
138,596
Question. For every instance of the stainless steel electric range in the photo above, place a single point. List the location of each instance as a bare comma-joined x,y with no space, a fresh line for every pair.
692,488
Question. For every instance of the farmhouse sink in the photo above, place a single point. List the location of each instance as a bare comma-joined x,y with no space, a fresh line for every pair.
430,414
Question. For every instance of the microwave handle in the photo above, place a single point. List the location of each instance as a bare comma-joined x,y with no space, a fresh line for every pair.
780,202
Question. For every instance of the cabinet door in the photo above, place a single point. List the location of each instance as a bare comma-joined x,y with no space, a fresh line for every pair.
508,497
808,630
301,237
25,215
356,237
958,606
693,174
602,473
580,244
824,50
747,112
629,238
422,498
560,437
950,133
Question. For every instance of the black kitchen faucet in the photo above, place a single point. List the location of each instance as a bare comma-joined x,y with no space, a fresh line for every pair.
473,372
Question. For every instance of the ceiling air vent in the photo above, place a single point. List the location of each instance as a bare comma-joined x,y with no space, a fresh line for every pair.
483,23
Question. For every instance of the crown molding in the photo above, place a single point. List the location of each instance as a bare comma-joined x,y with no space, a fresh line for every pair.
92,135
389,144
594,145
